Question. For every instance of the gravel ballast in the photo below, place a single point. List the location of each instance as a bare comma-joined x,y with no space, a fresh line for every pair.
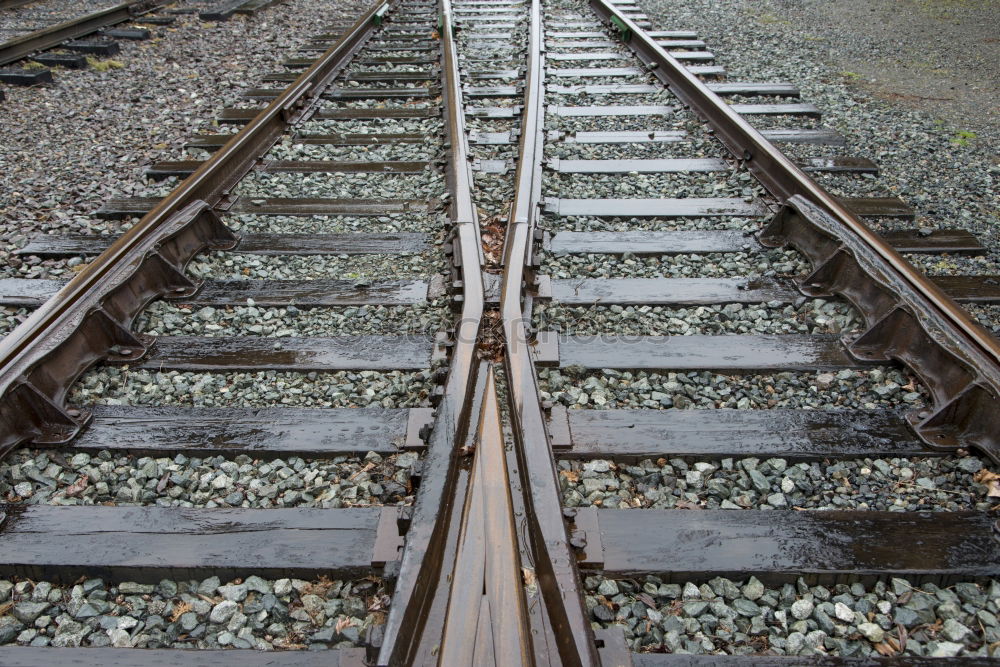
871,389
237,266
70,146
255,613
746,617
51,477
110,385
781,262
165,319
945,171
891,484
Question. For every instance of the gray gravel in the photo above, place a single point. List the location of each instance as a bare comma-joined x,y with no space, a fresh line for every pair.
67,477
343,185
10,318
778,261
947,172
747,617
167,319
374,126
386,152
251,613
988,316
343,389
236,266
890,484
59,162
270,224
18,21
871,389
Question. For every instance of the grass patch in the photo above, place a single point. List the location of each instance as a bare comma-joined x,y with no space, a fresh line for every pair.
963,138
104,65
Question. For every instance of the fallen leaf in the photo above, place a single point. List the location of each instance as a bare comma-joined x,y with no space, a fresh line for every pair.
687,505
646,600
343,622
991,480
571,475
77,487
884,649
179,610
529,577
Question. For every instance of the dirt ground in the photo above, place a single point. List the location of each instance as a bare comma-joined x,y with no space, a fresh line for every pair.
942,56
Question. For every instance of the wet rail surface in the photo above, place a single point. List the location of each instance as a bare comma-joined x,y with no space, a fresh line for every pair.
490,564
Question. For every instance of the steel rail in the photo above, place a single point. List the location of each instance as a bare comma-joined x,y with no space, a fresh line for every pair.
780,175
46,353
967,391
46,38
419,583
554,558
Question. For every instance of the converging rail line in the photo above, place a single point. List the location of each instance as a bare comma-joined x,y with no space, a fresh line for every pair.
531,457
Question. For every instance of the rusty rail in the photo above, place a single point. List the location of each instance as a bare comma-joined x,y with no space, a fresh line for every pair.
422,588
46,38
90,318
554,559
909,318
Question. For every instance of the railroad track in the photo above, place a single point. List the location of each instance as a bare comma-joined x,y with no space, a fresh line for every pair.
49,35
506,528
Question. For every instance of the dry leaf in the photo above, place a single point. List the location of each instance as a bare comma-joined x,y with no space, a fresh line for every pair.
529,577
991,480
180,610
571,475
77,487
687,505
884,649
343,622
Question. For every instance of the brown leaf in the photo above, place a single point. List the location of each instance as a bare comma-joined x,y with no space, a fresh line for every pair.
179,610
984,476
77,487
646,600
343,622
687,505
571,475
884,649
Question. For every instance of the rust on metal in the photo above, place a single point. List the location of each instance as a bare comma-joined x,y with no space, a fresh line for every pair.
420,590
90,319
46,38
554,559
486,622
910,319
